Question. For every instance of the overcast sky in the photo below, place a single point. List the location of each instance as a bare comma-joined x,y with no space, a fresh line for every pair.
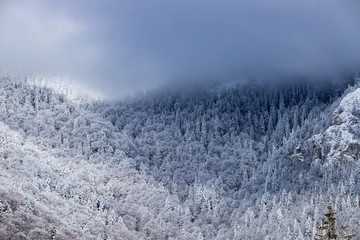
118,46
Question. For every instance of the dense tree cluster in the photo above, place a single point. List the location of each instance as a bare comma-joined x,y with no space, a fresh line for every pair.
221,163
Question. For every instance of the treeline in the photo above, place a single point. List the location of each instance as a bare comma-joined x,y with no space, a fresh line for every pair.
227,162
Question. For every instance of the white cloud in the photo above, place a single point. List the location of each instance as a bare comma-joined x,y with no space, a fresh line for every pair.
36,37
121,46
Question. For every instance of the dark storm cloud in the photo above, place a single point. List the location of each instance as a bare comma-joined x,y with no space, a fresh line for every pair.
121,46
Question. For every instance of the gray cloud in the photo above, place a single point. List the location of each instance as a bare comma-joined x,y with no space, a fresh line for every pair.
122,46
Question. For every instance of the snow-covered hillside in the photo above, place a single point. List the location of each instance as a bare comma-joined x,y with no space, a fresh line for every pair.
232,162
61,170
341,142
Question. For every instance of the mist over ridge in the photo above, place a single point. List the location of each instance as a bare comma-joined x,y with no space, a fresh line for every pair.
120,47
191,119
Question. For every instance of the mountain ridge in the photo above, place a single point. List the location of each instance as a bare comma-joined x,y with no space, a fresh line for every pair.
214,165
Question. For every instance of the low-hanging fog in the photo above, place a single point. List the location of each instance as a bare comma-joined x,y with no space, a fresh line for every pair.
119,47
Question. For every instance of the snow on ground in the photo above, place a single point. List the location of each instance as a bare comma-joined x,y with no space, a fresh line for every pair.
338,141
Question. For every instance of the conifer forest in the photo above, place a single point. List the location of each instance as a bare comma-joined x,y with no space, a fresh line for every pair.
179,120
238,162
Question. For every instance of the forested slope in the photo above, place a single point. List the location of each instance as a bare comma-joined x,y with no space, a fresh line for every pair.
243,161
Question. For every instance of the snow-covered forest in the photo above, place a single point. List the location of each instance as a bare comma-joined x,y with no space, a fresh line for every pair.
239,161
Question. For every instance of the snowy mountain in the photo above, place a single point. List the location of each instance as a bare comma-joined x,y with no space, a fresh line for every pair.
237,161
341,142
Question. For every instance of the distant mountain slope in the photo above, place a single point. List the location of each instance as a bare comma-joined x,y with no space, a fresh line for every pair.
235,151
231,162
63,157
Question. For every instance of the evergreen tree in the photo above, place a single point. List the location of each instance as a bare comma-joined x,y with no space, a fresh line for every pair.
329,226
